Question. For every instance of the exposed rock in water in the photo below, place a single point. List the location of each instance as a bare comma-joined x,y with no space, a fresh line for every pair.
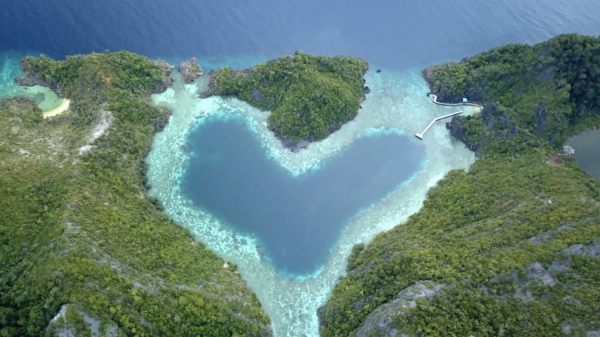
366,89
293,145
190,70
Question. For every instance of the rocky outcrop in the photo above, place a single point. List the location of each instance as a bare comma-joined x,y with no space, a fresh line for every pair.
293,145
257,95
166,79
379,321
541,117
61,326
190,70
427,75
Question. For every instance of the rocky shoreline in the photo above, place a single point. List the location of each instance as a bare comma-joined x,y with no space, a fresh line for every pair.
166,76
190,70
212,87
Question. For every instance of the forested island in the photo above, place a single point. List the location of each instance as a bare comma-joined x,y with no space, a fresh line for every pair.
508,248
309,96
511,247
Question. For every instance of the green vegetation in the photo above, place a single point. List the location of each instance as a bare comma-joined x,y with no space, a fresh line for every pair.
550,90
506,241
195,67
309,96
77,229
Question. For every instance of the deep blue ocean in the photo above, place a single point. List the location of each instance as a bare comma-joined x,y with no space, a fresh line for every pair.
390,33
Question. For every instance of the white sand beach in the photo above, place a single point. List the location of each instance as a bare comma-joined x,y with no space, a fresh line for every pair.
63,106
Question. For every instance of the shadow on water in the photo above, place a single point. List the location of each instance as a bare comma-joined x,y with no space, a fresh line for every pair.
297,219
587,152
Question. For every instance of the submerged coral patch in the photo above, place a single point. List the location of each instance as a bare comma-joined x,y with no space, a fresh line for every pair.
397,103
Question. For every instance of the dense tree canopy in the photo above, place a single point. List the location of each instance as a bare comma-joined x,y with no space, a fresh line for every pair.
309,96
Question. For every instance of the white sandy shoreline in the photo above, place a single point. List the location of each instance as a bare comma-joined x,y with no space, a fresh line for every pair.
62,107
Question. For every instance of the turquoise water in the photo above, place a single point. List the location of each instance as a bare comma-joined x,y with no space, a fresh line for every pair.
10,62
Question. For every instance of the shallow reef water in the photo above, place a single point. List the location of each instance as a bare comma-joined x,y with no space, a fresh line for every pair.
397,103
10,63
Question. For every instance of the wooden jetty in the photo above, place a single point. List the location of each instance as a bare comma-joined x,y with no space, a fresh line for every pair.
420,135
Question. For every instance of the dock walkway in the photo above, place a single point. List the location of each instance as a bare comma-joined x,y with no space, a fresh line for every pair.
453,104
420,135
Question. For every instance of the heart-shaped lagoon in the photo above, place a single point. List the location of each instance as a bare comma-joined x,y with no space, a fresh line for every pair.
297,219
